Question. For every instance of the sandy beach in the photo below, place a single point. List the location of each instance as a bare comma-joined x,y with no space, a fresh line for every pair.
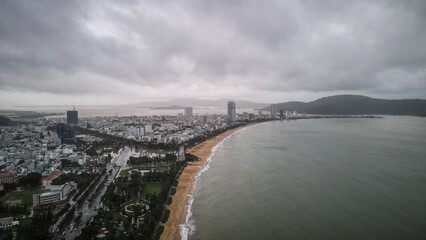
185,185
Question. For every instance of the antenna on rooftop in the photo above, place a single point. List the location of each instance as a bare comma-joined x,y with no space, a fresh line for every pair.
73,106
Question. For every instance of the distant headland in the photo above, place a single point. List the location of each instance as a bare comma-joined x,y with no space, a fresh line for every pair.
356,104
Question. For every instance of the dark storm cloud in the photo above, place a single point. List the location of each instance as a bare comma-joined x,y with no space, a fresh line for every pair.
70,47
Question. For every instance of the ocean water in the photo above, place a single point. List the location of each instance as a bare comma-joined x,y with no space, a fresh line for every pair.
315,179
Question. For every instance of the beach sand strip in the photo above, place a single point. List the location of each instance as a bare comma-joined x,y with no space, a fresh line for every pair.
179,204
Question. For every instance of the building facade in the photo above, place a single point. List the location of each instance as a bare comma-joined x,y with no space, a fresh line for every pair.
6,177
55,195
188,112
6,222
65,133
273,110
231,112
72,117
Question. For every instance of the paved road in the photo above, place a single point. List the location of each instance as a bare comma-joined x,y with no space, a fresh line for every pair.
181,152
88,210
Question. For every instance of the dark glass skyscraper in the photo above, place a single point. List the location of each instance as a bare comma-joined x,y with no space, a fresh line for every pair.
72,117
60,129
65,133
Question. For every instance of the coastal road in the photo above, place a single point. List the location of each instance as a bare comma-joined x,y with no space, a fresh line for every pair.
88,209
181,155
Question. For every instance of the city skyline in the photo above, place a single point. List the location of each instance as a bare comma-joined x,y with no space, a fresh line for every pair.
118,53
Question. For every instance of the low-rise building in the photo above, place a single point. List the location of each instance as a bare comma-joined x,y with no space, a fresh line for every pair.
6,177
6,222
46,198
48,180
55,195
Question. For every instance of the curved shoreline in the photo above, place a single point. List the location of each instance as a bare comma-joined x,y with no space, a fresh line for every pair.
178,208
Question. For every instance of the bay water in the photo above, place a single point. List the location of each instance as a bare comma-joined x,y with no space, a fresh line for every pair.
315,179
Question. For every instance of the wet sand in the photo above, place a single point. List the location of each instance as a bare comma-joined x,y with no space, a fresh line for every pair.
179,204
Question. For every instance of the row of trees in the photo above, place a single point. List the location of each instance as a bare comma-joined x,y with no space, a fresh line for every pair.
37,227
7,211
88,191
67,219
149,160
31,180
98,189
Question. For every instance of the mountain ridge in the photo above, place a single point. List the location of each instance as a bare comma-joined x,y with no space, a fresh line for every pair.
356,104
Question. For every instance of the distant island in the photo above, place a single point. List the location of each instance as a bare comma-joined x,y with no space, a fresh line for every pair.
356,104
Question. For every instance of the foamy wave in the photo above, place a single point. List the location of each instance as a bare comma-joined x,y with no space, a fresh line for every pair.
188,228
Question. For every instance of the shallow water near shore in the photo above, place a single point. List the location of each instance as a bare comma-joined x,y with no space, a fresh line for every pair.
315,179
188,227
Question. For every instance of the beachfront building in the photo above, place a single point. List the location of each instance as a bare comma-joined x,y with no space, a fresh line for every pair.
273,110
291,114
231,112
188,112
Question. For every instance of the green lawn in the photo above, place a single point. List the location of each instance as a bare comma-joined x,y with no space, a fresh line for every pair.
125,172
135,207
113,217
152,188
162,169
118,217
20,198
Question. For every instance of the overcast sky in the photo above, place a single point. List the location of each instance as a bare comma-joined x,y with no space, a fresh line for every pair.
105,52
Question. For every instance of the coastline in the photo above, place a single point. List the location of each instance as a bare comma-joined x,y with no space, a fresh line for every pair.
178,208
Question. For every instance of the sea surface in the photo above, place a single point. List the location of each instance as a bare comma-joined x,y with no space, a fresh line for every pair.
315,179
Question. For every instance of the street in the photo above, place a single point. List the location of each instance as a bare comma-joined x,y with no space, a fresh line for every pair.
87,210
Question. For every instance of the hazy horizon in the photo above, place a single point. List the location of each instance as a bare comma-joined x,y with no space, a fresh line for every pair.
158,103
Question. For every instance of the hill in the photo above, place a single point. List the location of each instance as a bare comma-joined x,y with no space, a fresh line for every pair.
356,104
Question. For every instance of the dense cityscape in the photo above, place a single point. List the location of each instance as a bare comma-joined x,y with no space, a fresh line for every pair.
103,177
189,120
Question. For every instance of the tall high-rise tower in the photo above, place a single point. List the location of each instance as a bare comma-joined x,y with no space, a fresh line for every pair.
231,112
72,117
273,110
188,112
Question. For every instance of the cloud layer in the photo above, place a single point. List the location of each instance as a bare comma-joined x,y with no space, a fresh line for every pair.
129,50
